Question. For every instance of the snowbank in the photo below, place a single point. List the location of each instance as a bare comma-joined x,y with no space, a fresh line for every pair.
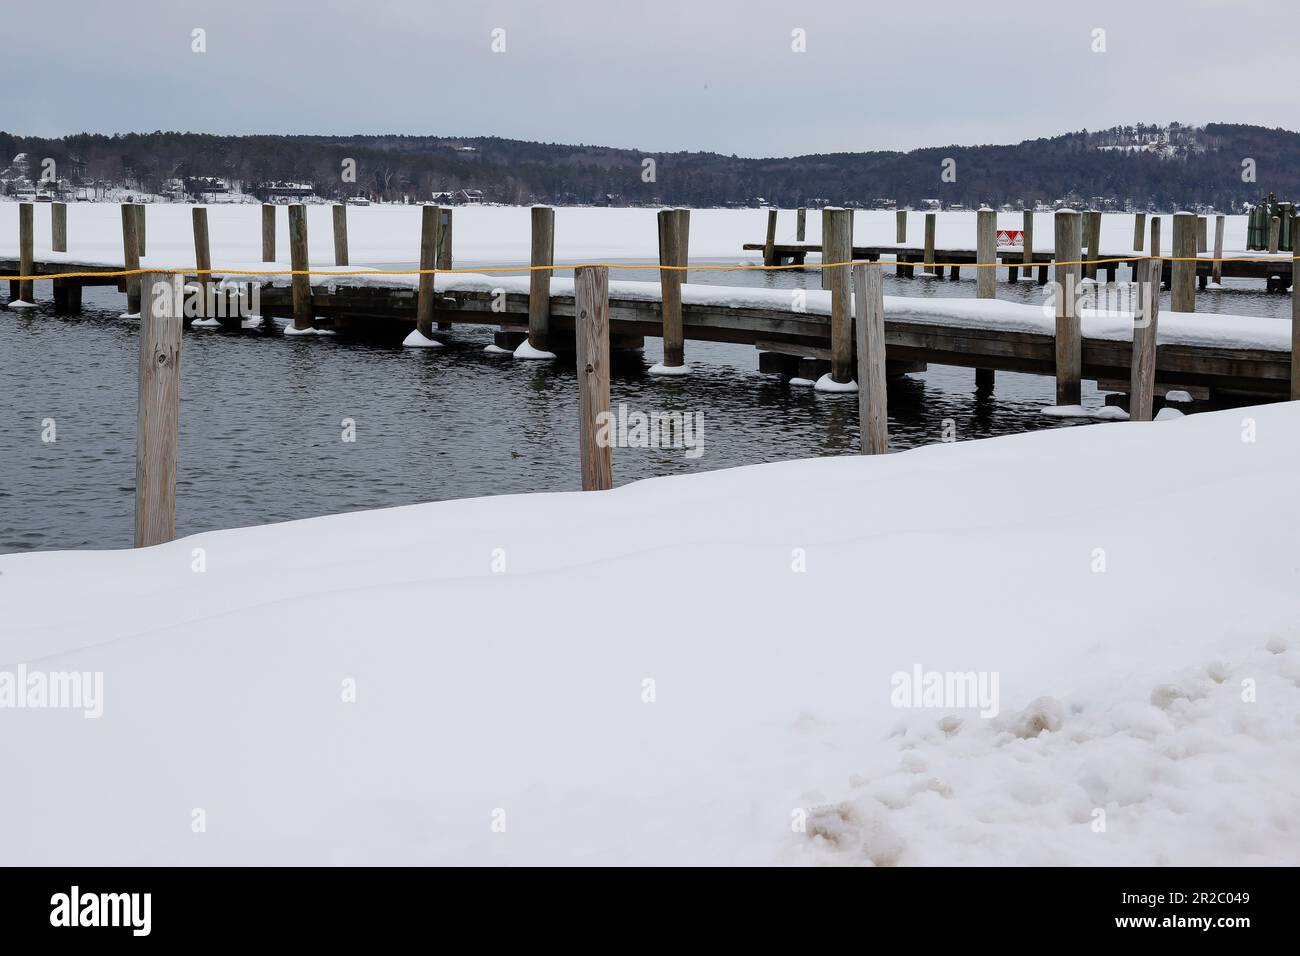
698,669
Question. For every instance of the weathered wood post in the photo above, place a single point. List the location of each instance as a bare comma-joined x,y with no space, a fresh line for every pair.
340,213
869,303
157,422
1069,352
986,279
26,254
1202,241
591,325
131,257
430,224
826,231
444,247
674,226
902,268
139,227
800,224
1142,389
1027,241
1092,227
1274,231
1139,231
1184,268
268,232
1216,270
202,257
303,314
539,280
930,268
840,249
1155,250
986,253
769,243
59,227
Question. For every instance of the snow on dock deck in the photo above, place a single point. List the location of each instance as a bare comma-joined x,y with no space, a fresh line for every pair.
521,697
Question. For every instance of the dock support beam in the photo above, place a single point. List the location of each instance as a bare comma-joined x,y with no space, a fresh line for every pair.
1139,232
1027,241
1069,352
158,409
59,227
800,224
268,232
986,273
430,223
674,233
929,245
591,325
444,248
1274,231
1202,241
839,248
1092,233
139,227
900,226
769,243
131,257
539,280
26,251
1216,270
303,315
873,396
340,214
1143,386
202,257
1184,270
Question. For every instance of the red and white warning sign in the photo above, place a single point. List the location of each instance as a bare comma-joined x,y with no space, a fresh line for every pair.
1011,237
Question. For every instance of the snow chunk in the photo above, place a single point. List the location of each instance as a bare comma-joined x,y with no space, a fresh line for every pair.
828,384
526,351
668,370
417,340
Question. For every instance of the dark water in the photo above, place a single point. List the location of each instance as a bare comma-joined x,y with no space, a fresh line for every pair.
262,416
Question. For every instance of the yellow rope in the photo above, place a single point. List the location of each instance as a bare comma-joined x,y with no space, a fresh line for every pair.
124,273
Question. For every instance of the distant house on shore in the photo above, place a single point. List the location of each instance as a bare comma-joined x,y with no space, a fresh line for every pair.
200,186
283,192
458,197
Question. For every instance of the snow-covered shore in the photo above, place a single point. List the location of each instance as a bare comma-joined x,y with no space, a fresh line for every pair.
698,669
500,234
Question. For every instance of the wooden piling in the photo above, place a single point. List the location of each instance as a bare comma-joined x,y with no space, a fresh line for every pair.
340,213
202,255
1139,230
1155,251
1027,240
268,232
539,280
929,244
26,251
1069,351
158,408
1216,270
139,227
800,224
59,227
674,225
1274,231
1184,267
1092,234
1202,242
900,226
825,273
1143,385
303,314
769,243
131,257
839,248
591,326
986,253
444,247
873,414
430,224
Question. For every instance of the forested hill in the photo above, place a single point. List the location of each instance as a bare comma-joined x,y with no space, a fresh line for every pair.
1162,166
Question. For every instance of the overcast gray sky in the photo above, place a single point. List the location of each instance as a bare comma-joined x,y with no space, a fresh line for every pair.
660,76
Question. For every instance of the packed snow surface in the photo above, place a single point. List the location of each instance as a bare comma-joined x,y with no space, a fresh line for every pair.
698,669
